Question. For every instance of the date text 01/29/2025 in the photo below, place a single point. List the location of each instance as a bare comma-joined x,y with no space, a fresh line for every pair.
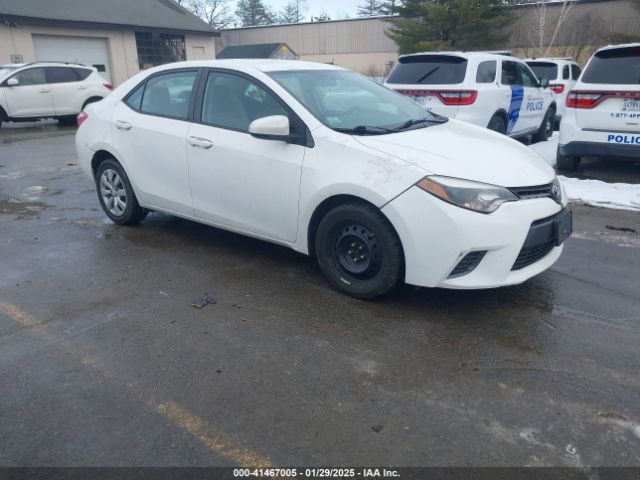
315,473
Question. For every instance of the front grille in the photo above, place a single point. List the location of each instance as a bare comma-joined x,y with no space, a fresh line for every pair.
468,263
529,255
540,191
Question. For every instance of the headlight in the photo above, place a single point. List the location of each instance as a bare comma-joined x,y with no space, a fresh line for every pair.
556,190
479,197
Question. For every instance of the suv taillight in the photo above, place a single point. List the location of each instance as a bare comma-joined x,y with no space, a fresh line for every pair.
557,88
82,116
448,97
584,99
108,85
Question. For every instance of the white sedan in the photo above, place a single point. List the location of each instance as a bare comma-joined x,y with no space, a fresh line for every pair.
331,164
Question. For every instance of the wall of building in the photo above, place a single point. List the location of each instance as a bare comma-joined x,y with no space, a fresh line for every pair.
121,45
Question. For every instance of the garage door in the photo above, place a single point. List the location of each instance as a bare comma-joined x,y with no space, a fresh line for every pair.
84,50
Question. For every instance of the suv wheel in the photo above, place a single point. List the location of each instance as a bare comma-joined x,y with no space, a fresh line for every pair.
497,124
116,195
358,251
546,127
567,163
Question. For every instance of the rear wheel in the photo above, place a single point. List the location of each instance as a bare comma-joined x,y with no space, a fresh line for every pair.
546,127
498,124
358,251
567,163
67,121
116,195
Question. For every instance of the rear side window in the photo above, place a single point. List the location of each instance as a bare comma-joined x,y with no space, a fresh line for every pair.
82,73
620,66
575,72
169,94
486,72
429,70
61,75
548,70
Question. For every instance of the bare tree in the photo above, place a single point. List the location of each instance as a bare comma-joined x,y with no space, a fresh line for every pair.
216,13
546,28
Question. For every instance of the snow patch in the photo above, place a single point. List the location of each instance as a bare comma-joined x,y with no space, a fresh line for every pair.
548,149
620,196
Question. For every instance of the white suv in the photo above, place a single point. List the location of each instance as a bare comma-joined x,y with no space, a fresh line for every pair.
48,90
603,109
494,91
561,73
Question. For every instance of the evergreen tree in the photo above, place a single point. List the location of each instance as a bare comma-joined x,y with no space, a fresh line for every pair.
293,12
253,12
322,17
389,7
449,25
369,8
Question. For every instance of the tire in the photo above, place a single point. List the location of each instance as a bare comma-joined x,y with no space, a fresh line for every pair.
546,127
498,124
116,195
567,163
358,251
67,121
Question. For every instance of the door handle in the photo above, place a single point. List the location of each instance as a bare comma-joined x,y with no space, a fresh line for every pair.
203,143
124,126
45,90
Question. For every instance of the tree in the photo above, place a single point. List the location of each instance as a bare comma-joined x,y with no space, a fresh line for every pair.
253,13
293,12
369,8
321,17
390,7
216,13
449,25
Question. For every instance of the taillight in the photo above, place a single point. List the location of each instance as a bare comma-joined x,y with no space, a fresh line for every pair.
448,97
82,117
558,88
108,85
589,99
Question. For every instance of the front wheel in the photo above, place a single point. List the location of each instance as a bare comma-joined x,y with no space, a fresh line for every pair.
116,195
546,127
358,251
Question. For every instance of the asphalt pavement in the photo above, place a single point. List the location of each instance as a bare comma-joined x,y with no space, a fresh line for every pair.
105,362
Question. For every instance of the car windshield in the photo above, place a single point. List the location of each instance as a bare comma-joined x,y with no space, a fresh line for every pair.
546,70
4,71
618,66
350,103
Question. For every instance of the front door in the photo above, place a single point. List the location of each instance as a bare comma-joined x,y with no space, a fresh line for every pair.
32,96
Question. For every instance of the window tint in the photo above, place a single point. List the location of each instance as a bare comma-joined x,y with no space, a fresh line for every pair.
510,73
575,72
618,66
82,73
544,69
134,99
486,72
61,75
169,94
565,72
528,78
232,101
32,76
429,70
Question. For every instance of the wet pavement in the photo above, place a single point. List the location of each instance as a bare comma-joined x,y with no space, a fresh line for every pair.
103,360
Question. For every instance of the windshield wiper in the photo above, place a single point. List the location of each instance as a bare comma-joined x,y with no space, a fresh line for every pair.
419,121
366,130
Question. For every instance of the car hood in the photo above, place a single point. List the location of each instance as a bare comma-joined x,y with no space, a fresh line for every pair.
458,149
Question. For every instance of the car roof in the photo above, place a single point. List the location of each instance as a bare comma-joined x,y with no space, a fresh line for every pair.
622,45
263,65
467,55
550,59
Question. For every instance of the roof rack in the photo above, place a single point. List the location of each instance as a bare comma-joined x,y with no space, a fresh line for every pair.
56,61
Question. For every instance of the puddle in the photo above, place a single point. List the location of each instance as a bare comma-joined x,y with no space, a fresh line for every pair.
21,210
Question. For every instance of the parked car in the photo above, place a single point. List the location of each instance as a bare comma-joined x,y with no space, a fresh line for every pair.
561,73
379,191
603,109
494,91
48,90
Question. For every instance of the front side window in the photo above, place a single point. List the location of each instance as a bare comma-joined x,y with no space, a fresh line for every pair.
346,101
575,72
620,66
429,70
61,75
169,94
486,72
510,73
565,72
232,101
31,76
548,70
528,78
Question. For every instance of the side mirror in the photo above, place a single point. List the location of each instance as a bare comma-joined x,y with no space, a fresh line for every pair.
13,82
544,82
273,127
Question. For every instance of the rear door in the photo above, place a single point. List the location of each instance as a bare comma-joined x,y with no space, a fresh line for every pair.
433,81
31,97
68,91
607,96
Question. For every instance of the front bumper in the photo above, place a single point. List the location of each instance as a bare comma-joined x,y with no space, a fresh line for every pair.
436,236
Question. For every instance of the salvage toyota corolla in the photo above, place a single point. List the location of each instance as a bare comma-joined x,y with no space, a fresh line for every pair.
331,164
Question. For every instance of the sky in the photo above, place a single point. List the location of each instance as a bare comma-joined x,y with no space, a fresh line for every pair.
334,8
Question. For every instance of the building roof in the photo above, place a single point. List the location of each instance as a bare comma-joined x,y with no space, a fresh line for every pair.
163,15
261,50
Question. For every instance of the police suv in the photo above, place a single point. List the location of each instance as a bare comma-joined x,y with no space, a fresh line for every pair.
561,73
494,91
603,109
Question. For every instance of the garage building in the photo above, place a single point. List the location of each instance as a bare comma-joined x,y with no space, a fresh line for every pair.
118,37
